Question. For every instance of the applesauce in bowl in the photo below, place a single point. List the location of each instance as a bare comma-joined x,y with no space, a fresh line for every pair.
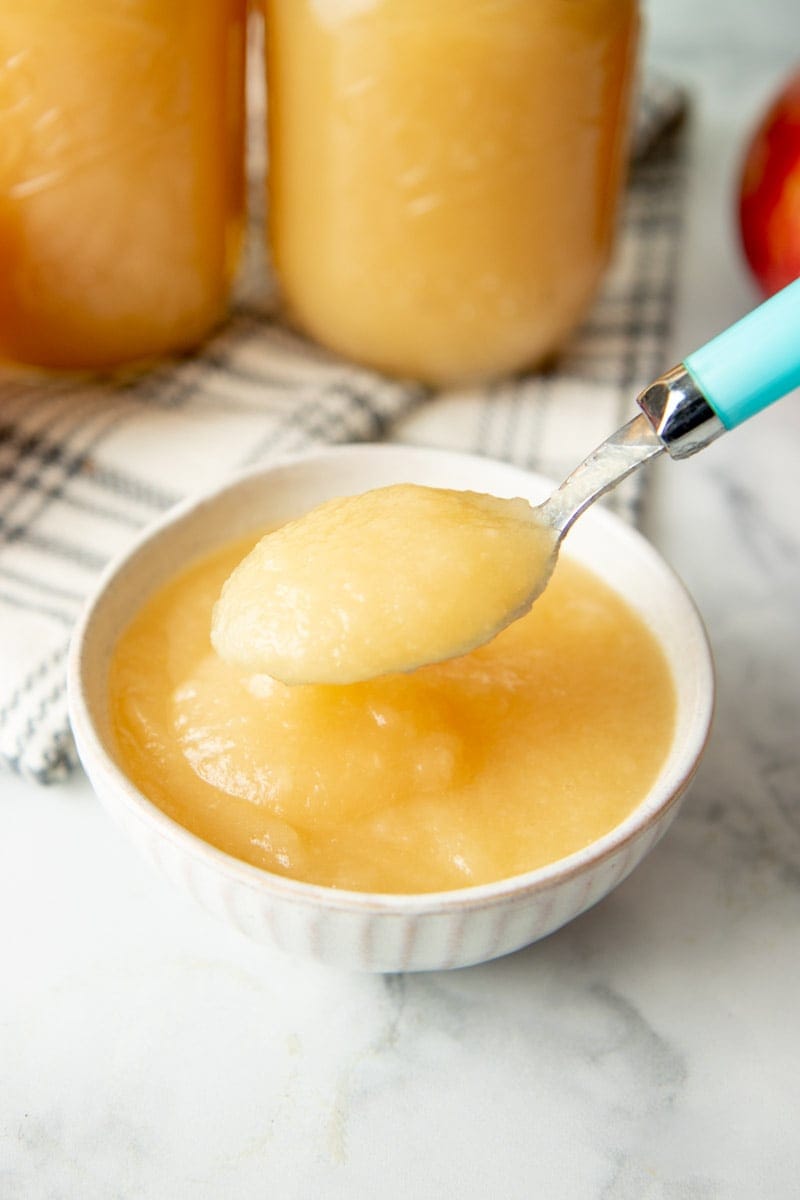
462,772
415,821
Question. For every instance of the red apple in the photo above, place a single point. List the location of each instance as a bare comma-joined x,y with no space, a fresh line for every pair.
769,197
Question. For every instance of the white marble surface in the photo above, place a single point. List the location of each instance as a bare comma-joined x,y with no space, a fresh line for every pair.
649,1051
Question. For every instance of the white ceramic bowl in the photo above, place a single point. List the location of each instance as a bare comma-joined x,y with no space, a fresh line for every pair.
355,929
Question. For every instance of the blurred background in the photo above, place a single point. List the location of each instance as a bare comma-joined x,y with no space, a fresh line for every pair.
733,56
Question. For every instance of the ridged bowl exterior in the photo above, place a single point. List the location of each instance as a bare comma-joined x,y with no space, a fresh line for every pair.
356,930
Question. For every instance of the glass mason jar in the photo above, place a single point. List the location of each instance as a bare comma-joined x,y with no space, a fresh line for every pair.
121,176
444,175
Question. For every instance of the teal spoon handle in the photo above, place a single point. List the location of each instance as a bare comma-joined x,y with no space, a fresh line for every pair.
731,378
753,363
723,383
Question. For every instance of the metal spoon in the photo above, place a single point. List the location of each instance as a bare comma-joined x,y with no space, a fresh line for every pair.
731,378
287,613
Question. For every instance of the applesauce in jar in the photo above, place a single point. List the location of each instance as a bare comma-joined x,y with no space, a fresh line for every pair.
121,176
444,176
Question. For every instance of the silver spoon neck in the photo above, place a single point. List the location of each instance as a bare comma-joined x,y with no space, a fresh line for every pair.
679,413
675,417
616,458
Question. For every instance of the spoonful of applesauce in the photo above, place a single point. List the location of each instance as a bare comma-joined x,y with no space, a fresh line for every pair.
402,576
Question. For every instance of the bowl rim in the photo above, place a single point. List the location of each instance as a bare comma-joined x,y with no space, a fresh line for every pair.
106,775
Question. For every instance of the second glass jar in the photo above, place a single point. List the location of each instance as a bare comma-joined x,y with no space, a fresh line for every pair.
444,176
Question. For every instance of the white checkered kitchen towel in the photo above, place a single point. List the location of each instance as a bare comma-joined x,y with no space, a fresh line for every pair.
84,465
